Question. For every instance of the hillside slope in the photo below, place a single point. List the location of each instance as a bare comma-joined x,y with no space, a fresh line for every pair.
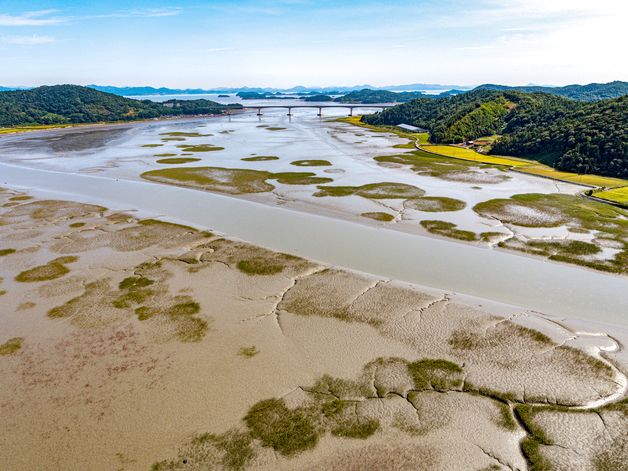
574,136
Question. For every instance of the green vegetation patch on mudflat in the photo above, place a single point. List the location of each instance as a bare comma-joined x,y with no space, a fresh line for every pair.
356,428
168,139
158,222
379,216
609,224
446,168
275,128
286,431
231,180
551,210
442,375
183,134
311,163
152,145
11,346
20,198
448,229
384,190
54,269
300,178
260,158
223,180
200,148
178,160
259,266
75,225
435,204
5,252
506,418
166,154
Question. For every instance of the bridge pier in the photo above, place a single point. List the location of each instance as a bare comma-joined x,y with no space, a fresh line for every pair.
259,112
289,111
351,111
320,111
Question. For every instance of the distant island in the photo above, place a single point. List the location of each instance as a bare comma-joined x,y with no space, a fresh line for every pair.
318,98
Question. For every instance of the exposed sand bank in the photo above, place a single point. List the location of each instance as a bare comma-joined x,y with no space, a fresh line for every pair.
156,333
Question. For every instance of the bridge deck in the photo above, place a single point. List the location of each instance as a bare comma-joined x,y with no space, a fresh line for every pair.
262,107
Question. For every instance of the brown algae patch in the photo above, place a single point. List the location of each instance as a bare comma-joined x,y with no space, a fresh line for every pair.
435,204
384,190
379,216
11,346
260,158
21,198
448,229
166,154
230,180
75,225
152,145
177,160
248,352
54,269
311,163
275,128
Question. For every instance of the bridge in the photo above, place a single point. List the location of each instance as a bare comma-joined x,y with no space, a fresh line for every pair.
259,108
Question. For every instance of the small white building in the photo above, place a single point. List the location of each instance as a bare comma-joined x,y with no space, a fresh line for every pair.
407,127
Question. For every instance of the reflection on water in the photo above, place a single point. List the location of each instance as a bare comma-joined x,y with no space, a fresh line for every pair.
74,140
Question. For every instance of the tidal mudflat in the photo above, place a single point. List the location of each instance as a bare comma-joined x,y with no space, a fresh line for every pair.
333,168
130,342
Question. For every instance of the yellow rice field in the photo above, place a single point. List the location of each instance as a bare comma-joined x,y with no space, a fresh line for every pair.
468,154
590,180
616,195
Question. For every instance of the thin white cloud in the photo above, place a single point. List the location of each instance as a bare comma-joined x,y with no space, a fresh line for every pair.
31,18
32,40
135,13
218,49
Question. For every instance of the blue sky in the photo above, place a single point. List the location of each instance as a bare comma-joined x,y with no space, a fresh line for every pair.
300,42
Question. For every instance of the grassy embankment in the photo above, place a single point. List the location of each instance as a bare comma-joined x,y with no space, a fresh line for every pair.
531,167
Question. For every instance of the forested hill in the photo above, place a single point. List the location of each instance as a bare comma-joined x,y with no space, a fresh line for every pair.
378,96
590,92
72,104
571,135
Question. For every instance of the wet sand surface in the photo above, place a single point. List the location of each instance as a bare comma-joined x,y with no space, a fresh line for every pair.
129,342
321,166
557,289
